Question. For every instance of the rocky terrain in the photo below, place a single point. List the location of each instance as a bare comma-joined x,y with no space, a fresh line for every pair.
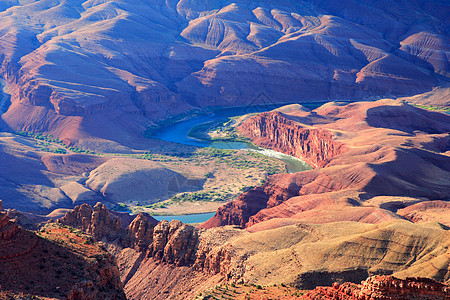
375,161
383,287
91,80
99,73
376,203
171,260
54,263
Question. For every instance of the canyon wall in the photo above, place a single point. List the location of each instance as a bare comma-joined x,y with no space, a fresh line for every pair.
171,242
171,260
275,131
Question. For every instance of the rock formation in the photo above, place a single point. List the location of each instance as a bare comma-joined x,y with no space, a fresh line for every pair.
8,229
172,242
361,151
90,85
383,287
97,222
140,232
14,241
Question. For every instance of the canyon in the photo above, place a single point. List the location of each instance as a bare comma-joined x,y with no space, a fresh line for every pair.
77,69
375,204
171,260
356,91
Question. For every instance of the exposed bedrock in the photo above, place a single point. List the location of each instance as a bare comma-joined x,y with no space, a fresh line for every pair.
97,221
172,242
383,287
171,260
274,130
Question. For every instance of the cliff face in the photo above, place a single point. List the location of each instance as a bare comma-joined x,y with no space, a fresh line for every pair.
10,235
277,189
171,260
275,131
171,242
179,259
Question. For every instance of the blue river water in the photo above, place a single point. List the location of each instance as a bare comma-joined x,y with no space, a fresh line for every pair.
188,219
178,132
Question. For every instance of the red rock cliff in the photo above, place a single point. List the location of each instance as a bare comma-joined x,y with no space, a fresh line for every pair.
275,131
359,152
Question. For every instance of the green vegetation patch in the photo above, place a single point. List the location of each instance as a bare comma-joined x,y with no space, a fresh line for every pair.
46,140
432,108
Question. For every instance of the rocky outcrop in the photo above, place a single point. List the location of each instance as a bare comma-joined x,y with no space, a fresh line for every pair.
14,241
8,229
171,242
97,222
174,242
172,260
275,131
383,288
139,233
276,190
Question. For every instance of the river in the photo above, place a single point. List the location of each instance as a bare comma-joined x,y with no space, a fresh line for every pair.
188,219
178,132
